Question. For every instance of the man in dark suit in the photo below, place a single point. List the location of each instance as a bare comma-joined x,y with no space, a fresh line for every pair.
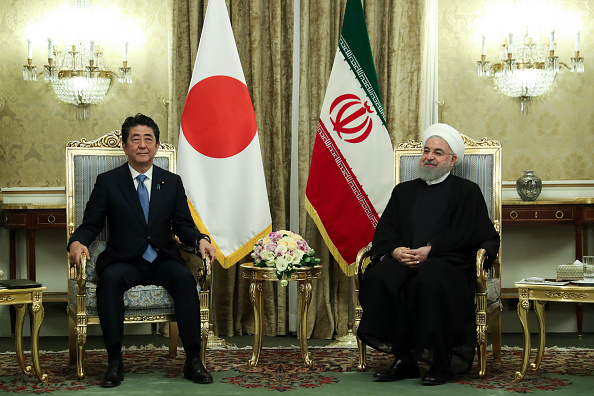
143,205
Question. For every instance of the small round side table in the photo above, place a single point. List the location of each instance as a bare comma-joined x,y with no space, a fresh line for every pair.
303,276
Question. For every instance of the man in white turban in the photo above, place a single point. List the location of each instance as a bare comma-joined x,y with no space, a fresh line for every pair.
449,134
418,295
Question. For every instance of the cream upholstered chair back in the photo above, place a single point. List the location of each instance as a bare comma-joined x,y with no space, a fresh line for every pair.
144,303
86,163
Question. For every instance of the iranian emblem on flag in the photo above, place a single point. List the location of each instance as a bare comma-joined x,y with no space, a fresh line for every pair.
351,117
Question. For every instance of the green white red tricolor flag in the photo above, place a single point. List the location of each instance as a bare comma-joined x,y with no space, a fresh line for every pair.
351,172
219,156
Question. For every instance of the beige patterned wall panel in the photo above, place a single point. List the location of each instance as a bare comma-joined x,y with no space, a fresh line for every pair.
556,138
35,125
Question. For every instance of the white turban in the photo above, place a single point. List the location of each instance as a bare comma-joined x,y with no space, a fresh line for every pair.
449,134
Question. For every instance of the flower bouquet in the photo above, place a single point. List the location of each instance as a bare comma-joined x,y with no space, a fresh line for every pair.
285,251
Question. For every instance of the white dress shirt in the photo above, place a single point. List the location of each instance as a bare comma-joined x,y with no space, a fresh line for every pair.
147,182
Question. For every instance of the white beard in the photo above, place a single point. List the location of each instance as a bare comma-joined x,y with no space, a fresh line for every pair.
429,174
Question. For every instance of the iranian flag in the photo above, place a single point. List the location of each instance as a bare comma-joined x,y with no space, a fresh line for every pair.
219,156
351,172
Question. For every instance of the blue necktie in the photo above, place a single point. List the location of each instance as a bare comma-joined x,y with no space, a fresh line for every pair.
150,254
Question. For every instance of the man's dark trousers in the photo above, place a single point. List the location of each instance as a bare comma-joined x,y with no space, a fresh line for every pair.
174,276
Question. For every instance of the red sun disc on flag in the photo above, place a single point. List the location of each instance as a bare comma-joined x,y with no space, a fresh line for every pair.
218,119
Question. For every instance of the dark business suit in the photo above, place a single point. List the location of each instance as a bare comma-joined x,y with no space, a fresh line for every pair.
114,198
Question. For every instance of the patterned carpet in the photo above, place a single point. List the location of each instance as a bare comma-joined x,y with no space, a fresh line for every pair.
281,369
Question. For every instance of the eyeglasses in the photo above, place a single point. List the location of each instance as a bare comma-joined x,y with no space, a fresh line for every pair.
437,152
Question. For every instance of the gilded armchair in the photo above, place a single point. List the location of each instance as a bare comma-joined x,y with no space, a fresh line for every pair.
481,164
143,304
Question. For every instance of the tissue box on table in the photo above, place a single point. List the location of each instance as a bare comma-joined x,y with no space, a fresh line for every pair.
573,271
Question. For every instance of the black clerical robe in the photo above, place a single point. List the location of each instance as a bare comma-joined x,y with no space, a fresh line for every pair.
428,311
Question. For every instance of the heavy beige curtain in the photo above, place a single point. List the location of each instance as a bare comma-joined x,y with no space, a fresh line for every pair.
263,32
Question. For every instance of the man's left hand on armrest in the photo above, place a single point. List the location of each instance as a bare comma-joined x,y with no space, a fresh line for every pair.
205,248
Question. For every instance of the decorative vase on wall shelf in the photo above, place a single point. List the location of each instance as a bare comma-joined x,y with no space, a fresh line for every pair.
529,186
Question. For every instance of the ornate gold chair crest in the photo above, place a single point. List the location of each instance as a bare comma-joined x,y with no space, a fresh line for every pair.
143,304
482,165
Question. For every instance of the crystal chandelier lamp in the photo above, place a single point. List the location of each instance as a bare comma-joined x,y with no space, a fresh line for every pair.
527,66
76,70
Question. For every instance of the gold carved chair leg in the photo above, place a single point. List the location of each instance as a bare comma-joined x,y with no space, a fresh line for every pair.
173,336
496,334
81,340
362,355
481,332
80,351
204,343
362,261
81,334
361,348
204,322
71,340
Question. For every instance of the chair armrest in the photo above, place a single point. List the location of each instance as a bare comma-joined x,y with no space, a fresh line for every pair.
81,274
201,272
361,263
481,275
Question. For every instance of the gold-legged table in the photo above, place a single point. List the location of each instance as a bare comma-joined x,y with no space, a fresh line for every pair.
540,294
303,276
21,299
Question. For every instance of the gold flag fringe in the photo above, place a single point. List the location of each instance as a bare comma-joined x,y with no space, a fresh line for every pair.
348,269
230,260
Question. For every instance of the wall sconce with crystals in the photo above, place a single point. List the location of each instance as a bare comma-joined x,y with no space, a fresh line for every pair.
77,71
527,67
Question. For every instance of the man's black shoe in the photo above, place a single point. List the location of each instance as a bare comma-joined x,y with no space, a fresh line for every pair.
399,370
436,378
114,375
194,370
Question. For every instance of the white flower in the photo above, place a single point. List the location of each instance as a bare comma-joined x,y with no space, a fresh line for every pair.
281,249
281,264
297,257
270,263
268,256
289,256
284,282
